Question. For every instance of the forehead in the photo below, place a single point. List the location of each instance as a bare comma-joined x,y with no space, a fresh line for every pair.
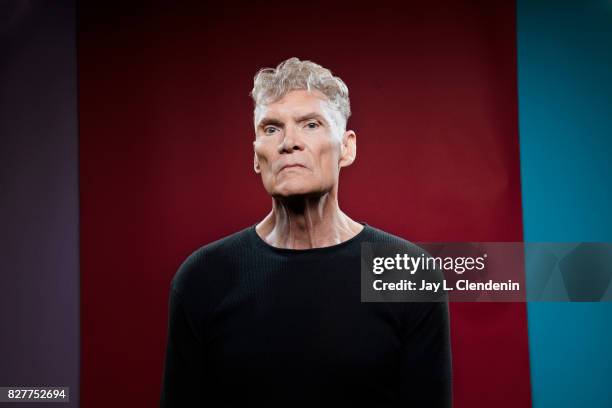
293,104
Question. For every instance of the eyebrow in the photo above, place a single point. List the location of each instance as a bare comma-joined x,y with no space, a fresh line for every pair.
276,122
312,115
270,121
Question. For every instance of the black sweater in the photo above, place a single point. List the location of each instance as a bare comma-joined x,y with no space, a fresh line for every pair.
250,323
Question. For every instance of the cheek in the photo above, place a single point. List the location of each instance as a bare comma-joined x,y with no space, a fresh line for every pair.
329,155
264,166
266,174
262,157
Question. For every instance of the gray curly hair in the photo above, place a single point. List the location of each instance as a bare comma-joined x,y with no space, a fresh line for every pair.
271,84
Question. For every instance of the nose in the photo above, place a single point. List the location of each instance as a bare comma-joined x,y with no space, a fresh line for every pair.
291,141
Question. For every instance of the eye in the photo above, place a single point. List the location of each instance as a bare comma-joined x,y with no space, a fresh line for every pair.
270,130
312,125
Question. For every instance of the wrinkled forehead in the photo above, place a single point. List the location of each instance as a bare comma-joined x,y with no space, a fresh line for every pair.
296,104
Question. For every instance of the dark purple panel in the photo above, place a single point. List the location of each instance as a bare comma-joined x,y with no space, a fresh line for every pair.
39,272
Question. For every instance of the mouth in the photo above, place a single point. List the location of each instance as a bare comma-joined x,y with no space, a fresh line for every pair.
290,166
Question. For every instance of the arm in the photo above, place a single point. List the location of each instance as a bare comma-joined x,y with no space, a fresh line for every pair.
425,372
183,375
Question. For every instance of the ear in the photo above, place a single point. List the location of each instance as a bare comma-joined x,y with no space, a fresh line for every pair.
256,163
348,150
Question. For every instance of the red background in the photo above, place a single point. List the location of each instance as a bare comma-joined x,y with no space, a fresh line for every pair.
166,160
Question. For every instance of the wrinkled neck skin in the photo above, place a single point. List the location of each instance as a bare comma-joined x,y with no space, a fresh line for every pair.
307,221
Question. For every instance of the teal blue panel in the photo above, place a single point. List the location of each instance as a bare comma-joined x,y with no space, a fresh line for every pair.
565,122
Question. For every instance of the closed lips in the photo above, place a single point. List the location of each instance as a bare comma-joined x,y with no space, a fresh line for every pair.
291,165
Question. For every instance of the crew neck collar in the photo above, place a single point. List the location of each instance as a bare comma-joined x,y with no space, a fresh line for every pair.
319,250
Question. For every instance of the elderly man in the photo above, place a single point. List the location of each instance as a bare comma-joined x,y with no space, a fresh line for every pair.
272,314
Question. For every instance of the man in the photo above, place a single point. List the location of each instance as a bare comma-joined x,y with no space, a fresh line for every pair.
272,314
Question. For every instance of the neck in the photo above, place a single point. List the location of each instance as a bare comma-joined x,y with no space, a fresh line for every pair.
309,221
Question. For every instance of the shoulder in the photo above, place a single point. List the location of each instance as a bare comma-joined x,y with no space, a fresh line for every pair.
389,245
206,264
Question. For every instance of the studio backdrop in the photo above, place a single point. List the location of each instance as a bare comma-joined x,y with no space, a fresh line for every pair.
165,139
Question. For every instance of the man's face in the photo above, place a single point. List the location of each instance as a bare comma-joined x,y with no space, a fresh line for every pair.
299,148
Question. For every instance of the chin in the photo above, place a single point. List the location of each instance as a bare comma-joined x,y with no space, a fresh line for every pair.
293,189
